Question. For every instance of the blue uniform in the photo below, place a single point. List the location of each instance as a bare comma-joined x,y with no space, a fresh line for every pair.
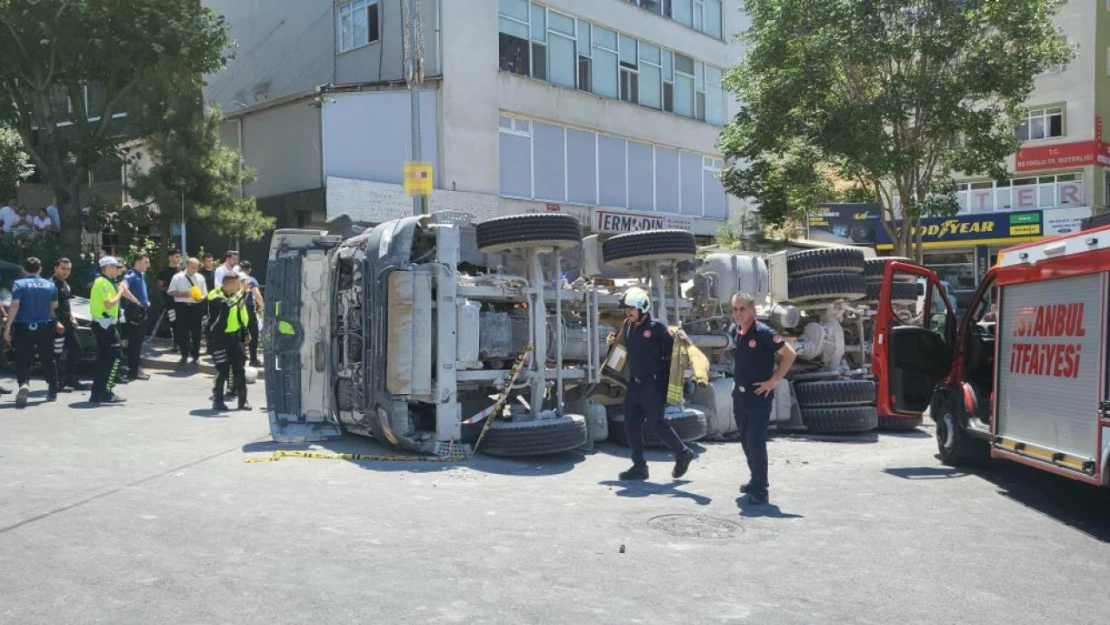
32,329
137,283
35,295
754,362
649,346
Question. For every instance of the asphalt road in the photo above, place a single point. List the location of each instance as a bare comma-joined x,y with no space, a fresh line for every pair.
148,513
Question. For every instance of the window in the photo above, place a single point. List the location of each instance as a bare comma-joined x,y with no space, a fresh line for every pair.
541,43
554,163
1042,124
359,24
630,77
1021,193
703,15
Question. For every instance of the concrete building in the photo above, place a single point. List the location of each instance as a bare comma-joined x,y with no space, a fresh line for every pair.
606,109
1059,176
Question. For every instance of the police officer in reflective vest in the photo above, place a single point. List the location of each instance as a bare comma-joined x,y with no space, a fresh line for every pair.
755,379
649,345
228,323
104,299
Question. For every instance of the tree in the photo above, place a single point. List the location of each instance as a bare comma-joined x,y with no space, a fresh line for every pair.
15,165
84,62
185,161
894,96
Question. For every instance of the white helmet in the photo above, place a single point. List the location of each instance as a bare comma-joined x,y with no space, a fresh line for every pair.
635,298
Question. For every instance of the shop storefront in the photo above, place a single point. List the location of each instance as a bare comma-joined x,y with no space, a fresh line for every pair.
960,248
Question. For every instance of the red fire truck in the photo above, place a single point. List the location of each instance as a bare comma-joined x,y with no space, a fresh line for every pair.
1024,372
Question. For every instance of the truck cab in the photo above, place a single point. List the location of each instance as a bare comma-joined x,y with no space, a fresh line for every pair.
1023,376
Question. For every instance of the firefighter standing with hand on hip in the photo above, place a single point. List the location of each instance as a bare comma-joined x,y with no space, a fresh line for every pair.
649,345
754,390
228,322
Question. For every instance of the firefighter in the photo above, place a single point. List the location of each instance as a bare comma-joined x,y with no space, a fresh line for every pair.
228,323
649,345
755,378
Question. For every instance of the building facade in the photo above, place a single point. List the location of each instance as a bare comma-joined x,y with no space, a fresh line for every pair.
609,110
1060,174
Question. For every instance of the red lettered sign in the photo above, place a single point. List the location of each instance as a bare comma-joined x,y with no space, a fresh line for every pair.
1057,358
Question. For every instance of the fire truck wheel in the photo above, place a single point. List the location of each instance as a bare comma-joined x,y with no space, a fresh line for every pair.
899,424
954,446
689,425
831,286
654,245
840,420
506,234
826,260
534,438
873,267
827,393
900,292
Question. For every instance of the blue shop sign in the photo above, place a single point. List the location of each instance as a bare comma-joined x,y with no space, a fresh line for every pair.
984,229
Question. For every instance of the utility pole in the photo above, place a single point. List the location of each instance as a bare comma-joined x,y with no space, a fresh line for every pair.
414,78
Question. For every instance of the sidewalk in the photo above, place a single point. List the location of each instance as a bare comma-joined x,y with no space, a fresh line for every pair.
159,355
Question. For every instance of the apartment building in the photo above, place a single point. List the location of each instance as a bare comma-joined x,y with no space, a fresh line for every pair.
609,110
1058,176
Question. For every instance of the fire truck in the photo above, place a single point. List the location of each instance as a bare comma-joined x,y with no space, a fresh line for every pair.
1023,374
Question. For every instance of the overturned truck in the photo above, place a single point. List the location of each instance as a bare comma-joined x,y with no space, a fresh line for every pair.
412,331
832,304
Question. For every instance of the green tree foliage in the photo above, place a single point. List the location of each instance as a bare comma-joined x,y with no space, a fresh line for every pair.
895,96
87,61
15,165
185,160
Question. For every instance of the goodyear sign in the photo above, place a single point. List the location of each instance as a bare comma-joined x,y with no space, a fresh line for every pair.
985,229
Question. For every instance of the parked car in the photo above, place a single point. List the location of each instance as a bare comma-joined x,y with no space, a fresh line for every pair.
9,273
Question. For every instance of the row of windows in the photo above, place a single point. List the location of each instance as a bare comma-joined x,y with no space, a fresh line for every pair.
1042,124
703,15
359,24
554,163
1021,193
538,42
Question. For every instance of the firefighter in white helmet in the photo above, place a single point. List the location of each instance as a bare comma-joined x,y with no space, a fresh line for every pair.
649,344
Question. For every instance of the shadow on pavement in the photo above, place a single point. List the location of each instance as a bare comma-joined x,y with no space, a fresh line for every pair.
1077,505
208,413
926,473
914,433
768,510
392,459
647,489
863,438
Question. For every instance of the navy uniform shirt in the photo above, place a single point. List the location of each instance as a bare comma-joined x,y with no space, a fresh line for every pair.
649,348
137,283
64,295
35,294
755,354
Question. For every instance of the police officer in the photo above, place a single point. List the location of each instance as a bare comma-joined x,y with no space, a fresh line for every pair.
66,341
104,305
649,345
755,378
135,311
29,328
228,321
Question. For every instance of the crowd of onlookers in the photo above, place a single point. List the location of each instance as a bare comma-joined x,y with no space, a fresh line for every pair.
16,218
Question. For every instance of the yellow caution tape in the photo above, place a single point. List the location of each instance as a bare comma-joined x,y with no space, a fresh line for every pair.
501,399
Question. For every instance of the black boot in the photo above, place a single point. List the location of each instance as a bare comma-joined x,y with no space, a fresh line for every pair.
219,406
682,463
746,487
639,471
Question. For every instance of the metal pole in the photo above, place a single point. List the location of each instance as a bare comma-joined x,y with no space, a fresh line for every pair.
539,322
414,52
559,331
183,248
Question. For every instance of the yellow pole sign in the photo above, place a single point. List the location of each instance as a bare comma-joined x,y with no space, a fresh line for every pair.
418,178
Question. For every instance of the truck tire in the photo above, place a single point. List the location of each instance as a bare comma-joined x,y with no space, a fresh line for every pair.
827,260
873,268
689,425
657,245
831,393
506,234
899,424
900,292
840,420
829,286
954,446
534,438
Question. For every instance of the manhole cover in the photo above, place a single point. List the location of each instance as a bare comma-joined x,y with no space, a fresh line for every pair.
695,526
